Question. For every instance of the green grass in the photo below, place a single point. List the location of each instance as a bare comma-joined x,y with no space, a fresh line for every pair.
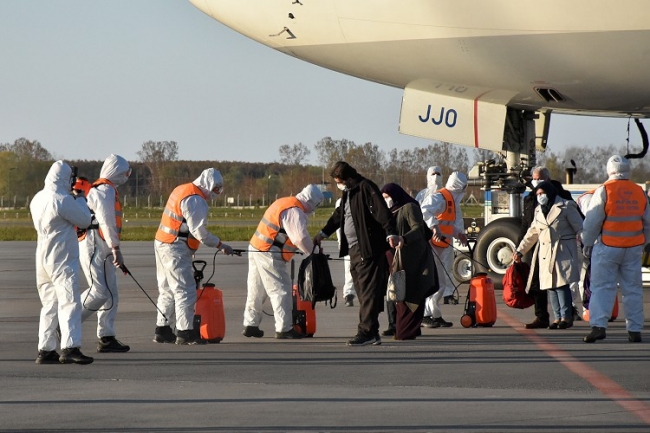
141,224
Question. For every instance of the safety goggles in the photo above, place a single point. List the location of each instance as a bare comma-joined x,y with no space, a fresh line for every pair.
218,189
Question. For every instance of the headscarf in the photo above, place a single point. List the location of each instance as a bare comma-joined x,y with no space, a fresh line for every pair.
551,193
399,196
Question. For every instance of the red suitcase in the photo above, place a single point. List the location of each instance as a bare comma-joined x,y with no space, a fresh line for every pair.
304,315
481,304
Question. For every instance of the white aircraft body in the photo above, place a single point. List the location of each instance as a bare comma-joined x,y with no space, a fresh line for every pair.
463,63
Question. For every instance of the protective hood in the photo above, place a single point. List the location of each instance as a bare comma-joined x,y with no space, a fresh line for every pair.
311,197
434,177
208,180
59,177
115,169
618,167
457,182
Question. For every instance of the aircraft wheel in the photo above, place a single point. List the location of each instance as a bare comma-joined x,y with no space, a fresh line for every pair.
494,248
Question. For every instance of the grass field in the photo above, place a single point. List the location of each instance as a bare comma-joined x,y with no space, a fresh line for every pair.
141,224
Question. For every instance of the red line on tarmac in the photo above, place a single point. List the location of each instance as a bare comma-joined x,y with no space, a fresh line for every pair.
604,384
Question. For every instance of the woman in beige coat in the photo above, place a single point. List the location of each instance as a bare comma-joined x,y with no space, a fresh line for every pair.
555,228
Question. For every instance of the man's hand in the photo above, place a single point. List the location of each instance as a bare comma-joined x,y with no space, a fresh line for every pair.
318,238
226,249
118,260
586,251
395,241
463,239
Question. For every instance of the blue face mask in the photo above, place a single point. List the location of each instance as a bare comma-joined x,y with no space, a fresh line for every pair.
542,199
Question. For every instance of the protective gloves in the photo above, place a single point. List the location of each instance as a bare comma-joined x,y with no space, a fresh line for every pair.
118,260
226,249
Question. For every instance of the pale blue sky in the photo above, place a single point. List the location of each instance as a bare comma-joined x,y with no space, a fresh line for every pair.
87,78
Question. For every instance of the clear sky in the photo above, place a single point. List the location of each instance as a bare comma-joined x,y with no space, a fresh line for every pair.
87,78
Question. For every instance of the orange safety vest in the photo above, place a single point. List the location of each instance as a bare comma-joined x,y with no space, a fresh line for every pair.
172,217
81,233
446,220
270,233
624,208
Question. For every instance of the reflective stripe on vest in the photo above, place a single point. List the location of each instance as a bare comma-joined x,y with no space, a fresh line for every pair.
172,217
118,207
446,219
269,233
624,208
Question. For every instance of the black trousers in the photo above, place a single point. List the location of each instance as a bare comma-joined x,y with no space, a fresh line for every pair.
540,297
370,276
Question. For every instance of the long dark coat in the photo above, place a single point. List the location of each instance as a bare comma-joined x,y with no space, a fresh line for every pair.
417,258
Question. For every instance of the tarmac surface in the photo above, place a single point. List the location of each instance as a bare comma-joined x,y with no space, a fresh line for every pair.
498,379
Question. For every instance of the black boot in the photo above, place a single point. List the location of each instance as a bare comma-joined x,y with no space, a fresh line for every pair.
596,333
111,344
74,356
188,337
164,334
47,357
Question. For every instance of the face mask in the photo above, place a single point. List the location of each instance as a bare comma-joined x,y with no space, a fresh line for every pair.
120,179
542,199
389,202
341,186
535,182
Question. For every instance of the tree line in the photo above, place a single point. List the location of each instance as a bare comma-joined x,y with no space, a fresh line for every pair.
24,165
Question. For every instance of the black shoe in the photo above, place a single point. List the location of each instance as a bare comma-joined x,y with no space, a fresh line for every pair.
74,356
253,331
596,333
428,322
565,324
633,337
388,333
188,338
111,344
364,340
164,334
554,325
47,357
349,301
537,324
442,322
291,334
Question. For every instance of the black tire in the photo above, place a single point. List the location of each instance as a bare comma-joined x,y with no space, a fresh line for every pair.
462,268
494,248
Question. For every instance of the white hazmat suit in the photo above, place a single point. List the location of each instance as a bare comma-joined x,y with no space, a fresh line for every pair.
98,256
55,214
268,272
434,183
611,265
174,272
432,206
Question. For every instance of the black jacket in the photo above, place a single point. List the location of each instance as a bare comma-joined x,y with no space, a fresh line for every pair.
373,222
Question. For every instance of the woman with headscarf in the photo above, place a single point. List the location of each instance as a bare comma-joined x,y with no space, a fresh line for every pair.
417,259
555,227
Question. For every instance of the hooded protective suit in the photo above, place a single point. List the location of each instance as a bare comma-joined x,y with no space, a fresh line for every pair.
55,214
174,272
612,265
434,183
268,272
432,206
98,255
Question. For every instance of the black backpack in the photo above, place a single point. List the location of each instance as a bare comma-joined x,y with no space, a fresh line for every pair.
315,280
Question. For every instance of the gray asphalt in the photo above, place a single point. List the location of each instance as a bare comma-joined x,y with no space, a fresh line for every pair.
498,379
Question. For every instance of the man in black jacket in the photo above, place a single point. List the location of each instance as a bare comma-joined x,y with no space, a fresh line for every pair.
367,231
539,174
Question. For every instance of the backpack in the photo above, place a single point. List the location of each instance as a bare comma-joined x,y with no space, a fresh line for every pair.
315,280
514,286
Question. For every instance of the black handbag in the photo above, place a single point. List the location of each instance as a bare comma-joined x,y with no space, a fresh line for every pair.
315,280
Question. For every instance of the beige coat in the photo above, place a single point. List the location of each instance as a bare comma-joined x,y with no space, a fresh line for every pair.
557,247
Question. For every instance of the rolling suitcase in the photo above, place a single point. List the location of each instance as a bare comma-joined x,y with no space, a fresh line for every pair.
209,315
481,304
303,315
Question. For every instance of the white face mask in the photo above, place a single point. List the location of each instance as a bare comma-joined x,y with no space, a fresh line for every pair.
535,182
542,199
341,186
389,202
